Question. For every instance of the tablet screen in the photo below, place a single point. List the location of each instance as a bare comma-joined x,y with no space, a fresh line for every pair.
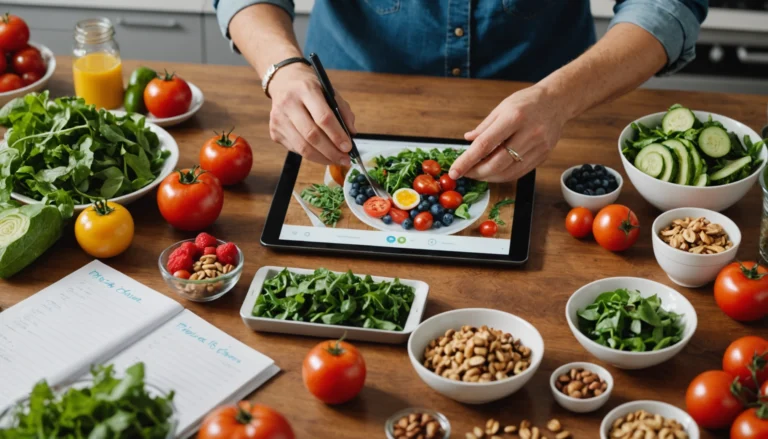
335,206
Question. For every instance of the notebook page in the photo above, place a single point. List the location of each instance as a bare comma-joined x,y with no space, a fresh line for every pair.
203,365
83,319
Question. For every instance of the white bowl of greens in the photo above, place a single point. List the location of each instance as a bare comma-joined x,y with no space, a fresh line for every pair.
685,158
629,322
70,154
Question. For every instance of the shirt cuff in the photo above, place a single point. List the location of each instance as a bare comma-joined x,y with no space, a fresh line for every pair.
227,9
671,22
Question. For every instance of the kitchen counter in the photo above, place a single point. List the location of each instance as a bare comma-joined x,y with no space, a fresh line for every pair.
558,265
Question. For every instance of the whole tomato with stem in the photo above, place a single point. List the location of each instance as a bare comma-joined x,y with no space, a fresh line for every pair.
104,229
751,424
710,401
334,371
230,160
190,199
245,421
14,33
579,222
741,291
167,96
747,359
616,228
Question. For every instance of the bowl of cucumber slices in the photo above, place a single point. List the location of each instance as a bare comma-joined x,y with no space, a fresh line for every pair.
688,158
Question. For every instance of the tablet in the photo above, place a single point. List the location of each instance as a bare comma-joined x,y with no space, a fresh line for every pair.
319,208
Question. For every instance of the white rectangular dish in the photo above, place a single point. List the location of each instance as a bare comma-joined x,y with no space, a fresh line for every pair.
263,324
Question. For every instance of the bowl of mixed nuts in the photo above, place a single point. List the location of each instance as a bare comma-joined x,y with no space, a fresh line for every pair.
692,245
201,273
475,355
581,387
638,418
417,422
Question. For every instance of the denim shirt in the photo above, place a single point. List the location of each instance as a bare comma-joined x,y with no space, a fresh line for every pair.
521,40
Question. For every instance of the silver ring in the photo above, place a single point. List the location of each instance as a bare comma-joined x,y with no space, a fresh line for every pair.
514,154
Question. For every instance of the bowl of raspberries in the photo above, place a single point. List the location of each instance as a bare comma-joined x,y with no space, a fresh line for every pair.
201,269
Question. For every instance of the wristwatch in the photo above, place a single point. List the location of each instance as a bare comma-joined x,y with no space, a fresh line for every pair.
274,68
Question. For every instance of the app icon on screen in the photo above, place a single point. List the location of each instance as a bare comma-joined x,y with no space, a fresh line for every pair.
391,239
401,240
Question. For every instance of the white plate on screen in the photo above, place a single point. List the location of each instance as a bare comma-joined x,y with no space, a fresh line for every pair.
475,211
194,107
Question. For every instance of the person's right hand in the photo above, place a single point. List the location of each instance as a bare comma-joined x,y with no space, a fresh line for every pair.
302,121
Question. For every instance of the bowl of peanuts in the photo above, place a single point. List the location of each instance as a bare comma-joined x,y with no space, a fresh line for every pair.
648,419
581,387
692,245
475,355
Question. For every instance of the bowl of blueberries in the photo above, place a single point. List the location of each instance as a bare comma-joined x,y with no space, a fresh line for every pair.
591,186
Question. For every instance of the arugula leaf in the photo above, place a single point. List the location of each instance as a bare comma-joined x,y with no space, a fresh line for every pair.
326,198
494,214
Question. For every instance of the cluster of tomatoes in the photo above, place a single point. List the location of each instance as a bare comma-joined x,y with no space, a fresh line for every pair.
333,371
615,227
735,397
20,63
192,199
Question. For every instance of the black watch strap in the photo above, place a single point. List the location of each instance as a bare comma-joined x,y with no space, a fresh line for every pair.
275,67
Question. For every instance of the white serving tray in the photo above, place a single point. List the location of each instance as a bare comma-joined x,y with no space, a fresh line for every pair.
421,290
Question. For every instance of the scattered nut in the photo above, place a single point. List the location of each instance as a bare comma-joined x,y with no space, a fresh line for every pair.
642,424
697,236
580,383
416,425
554,425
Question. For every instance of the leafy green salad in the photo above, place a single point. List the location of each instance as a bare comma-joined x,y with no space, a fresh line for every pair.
688,151
626,321
335,299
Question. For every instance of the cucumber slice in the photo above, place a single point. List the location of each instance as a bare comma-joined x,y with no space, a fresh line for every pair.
652,164
670,165
714,142
696,161
685,171
702,181
731,168
678,119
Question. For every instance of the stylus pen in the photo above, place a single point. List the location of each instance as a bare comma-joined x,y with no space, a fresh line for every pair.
330,94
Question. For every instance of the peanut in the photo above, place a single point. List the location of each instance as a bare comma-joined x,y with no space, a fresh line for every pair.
581,384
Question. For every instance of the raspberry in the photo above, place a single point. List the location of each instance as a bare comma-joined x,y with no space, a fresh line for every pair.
204,240
227,253
191,248
209,251
180,259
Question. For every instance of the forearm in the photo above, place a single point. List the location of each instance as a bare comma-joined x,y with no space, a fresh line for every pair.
623,59
264,35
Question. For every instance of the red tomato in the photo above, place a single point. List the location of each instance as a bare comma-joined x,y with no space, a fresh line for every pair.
398,216
579,222
741,291
431,167
3,62
245,421
167,96
28,61
190,199
10,82
14,33
30,78
488,228
741,354
710,402
182,274
426,185
229,160
334,371
751,424
377,207
423,221
447,183
451,199
764,391
616,228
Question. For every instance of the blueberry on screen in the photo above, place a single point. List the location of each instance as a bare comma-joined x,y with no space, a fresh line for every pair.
407,223
386,219
360,199
413,212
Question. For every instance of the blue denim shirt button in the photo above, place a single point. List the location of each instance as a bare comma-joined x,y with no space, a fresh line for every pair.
456,71
459,32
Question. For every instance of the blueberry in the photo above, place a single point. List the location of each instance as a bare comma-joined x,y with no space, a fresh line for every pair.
588,192
600,173
436,210
432,199
462,190
355,186
589,185
599,168
369,192
597,182
353,192
360,199
579,188
437,225
360,178
571,182
407,223
576,174
599,191
611,177
451,211
423,206
461,181
414,212
447,219
605,183
386,219
586,168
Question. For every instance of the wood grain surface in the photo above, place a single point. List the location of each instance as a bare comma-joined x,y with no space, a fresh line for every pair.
538,291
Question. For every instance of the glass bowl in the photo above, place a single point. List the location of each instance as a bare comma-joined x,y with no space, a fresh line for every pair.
203,290
389,427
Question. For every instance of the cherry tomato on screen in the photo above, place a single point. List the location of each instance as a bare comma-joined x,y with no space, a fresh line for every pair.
451,199
447,183
423,221
425,184
377,207
398,215
431,167
489,228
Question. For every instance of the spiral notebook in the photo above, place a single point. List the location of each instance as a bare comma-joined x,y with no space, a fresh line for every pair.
98,315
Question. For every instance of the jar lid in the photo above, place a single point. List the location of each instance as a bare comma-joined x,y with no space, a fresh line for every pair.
94,31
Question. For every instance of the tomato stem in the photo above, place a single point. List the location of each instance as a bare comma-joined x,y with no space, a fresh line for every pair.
6,18
336,348
102,208
759,362
762,412
191,176
224,139
166,76
626,226
243,416
751,273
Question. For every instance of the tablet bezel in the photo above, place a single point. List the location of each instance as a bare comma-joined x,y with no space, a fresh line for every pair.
520,240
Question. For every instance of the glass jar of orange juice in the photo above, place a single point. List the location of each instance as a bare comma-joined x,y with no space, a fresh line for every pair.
97,69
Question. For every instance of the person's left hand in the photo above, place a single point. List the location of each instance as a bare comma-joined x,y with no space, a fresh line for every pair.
529,122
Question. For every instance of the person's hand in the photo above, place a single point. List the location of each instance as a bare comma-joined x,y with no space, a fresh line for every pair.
302,121
529,122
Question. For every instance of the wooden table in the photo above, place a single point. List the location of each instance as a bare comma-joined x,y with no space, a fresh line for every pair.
538,292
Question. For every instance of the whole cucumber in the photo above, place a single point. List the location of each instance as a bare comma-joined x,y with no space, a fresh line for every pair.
134,99
141,77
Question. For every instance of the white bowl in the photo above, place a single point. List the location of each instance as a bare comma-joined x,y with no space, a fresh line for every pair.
577,405
671,300
654,407
50,62
688,269
166,143
665,196
194,107
475,393
592,202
